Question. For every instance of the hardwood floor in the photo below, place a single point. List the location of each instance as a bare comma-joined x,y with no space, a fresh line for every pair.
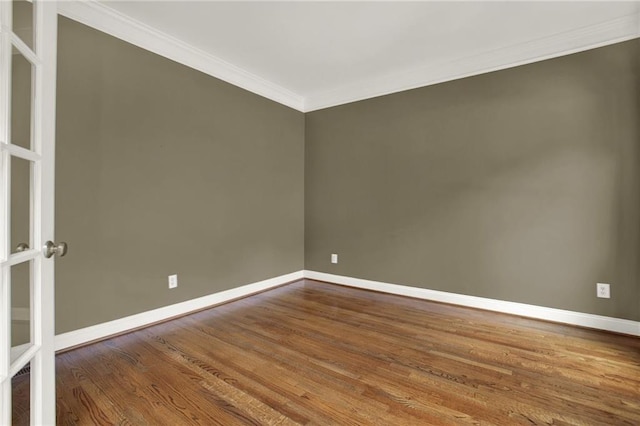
316,353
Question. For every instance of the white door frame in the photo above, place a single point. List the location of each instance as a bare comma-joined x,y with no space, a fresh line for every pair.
40,352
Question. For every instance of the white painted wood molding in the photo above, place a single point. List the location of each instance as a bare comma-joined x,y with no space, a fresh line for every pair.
101,17
600,322
121,325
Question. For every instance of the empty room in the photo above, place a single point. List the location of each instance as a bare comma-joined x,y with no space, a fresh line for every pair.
327,213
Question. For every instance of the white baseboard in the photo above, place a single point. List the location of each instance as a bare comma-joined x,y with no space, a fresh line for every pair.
532,311
100,331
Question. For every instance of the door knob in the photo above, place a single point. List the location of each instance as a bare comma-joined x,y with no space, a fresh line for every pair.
22,247
50,248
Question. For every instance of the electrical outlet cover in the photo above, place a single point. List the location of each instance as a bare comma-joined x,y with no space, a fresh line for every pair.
173,281
603,290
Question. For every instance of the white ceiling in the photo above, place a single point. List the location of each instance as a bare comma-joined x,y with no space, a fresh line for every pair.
311,55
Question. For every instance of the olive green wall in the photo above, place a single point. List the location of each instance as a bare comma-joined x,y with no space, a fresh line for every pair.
164,170
520,185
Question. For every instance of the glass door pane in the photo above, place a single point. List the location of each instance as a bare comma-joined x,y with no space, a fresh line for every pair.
20,205
21,302
23,18
21,100
20,386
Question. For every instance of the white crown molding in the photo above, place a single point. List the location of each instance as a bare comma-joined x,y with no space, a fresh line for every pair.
600,322
122,325
581,39
107,20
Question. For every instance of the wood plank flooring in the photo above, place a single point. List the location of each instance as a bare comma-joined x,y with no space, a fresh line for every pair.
316,353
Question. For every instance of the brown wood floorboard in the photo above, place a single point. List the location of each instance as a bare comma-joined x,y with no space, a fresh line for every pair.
318,353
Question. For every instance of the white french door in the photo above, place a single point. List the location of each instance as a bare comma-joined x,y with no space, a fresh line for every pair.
28,37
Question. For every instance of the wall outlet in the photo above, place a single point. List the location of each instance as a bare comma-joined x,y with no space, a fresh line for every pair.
603,290
173,281
334,258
